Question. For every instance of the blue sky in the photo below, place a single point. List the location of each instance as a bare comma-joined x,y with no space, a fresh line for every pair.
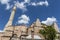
32,9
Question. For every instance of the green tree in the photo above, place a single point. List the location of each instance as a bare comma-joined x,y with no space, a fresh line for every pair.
48,32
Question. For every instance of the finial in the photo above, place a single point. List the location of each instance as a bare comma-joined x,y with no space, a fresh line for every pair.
14,8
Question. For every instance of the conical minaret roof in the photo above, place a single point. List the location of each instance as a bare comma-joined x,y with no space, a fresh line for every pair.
56,27
38,23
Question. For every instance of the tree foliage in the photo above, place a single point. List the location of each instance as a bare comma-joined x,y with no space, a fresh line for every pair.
48,32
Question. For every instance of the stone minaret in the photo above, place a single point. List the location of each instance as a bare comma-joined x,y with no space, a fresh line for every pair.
37,26
9,23
38,23
56,27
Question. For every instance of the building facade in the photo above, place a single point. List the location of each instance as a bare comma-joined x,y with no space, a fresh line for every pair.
22,32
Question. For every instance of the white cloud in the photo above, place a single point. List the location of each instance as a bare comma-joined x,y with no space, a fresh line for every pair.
4,1
26,1
21,5
49,21
23,19
40,3
43,3
34,4
46,3
8,6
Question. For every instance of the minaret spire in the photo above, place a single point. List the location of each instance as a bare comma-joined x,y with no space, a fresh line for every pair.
56,27
38,23
9,23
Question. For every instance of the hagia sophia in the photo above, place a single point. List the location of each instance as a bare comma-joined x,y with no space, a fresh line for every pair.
22,32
